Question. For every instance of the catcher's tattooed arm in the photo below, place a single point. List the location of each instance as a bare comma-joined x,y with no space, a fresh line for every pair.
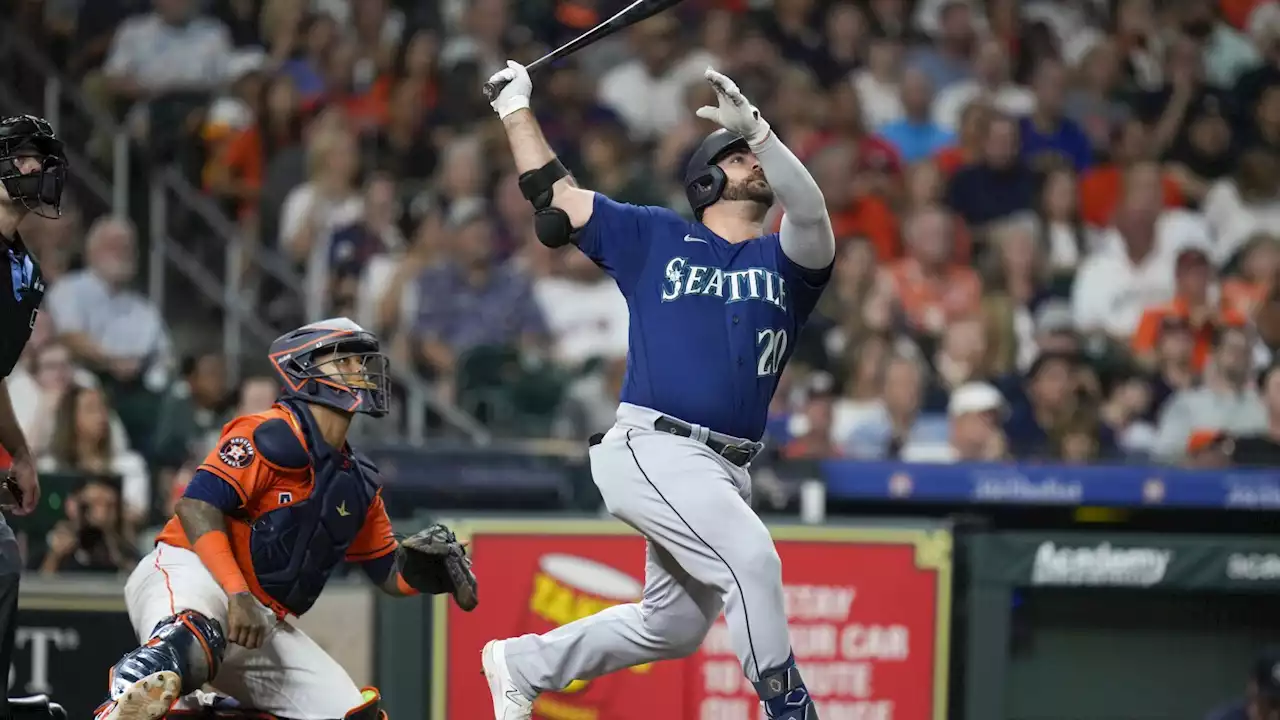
206,527
199,517
205,524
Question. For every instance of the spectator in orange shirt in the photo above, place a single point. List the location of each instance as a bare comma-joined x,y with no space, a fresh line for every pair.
236,108
1100,185
1258,262
968,147
1193,304
932,290
236,172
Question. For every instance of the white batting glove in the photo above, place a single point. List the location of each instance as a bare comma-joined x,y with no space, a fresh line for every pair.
516,89
734,113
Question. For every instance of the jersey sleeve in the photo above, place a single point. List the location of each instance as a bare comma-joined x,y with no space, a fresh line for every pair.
209,488
236,461
804,284
617,238
376,538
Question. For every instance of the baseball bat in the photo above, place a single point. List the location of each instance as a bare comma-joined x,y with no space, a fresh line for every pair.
626,17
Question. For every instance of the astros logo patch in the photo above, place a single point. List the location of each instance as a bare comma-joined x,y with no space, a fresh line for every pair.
236,452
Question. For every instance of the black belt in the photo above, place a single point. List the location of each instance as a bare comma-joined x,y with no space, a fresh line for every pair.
738,453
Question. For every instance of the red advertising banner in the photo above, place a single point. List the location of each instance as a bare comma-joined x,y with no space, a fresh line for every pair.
868,611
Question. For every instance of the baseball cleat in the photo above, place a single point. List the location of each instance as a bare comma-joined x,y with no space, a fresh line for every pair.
147,699
508,702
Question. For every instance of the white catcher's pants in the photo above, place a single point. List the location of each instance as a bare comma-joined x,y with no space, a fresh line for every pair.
289,675
707,551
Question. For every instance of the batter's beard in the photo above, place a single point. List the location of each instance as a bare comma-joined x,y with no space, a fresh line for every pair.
754,189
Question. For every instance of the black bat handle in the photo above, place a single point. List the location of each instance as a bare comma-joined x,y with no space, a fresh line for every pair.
491,90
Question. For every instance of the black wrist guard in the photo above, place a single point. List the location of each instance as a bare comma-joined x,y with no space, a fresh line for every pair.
537,186
551,224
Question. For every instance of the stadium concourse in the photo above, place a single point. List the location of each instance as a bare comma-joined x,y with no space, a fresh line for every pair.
1057,222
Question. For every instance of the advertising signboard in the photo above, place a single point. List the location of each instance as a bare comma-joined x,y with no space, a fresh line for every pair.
63,647
868,610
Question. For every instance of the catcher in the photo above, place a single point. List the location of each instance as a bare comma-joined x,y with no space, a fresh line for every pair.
280,503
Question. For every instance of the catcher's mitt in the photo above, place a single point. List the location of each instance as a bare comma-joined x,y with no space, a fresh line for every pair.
434,562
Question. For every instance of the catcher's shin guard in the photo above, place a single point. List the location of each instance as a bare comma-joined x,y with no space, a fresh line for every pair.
784,695
188,644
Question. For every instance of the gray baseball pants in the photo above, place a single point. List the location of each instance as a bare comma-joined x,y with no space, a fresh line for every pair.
10,574
707,551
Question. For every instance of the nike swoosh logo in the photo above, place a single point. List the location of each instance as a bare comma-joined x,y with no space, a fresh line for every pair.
690,238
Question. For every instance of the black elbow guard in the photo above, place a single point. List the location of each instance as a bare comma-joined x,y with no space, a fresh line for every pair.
551,224
553,228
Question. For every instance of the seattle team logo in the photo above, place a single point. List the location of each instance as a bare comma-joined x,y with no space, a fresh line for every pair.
681,279
236,452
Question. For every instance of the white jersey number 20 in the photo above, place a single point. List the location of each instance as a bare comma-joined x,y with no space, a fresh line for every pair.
773,347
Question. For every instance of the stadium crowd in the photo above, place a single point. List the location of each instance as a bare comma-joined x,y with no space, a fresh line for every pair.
1058,220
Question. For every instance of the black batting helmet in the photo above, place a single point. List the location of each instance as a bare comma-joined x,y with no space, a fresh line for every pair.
300,358
703,180
30,136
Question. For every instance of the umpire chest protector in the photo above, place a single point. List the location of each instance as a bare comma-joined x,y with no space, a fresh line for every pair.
22,290
296,546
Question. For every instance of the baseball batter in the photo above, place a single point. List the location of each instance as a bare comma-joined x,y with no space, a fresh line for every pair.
715,307
273,510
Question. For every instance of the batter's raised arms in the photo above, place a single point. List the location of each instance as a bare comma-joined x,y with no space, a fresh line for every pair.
714,308
806,234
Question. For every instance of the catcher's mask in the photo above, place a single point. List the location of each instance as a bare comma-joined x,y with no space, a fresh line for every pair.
335,363
38,190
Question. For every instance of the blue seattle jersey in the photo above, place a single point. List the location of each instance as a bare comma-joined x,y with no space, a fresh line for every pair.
712,322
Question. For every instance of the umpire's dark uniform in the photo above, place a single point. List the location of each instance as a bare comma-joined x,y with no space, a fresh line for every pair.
32,173
18,307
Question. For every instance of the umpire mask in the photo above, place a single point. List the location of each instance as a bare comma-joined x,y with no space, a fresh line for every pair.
33,164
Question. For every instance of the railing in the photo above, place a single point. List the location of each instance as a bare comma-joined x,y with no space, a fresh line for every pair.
240,316
169,191
53,99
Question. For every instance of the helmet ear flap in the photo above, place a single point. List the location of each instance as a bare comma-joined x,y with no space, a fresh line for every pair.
706,189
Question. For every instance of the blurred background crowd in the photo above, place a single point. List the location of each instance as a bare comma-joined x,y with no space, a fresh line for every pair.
1058,221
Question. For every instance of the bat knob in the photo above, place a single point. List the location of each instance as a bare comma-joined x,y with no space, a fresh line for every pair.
491,90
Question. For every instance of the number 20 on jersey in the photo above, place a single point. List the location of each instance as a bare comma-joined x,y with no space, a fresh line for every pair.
772,346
